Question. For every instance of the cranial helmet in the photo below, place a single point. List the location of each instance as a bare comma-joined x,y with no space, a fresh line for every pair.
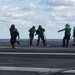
13,26
33,27
40,26
67,25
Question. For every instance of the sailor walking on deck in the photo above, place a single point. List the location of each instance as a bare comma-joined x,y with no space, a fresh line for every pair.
40,32
31,34
14,34
67,35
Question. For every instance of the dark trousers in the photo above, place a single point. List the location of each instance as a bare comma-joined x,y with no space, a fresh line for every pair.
13,41
66,40
73,40
43,39
31,38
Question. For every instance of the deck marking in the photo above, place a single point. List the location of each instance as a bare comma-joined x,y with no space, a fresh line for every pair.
31,69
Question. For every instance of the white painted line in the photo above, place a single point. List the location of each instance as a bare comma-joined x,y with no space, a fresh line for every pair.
69,71
30,69
39,70
34,53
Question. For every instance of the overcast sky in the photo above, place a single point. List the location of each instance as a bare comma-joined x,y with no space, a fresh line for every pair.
51,14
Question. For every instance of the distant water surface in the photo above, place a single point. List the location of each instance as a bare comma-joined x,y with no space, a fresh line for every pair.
24,40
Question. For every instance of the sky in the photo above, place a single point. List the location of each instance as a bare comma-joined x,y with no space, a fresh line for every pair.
51,14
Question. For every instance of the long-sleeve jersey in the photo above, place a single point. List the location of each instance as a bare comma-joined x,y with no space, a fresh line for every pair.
40,31
14,32
67,30
31,30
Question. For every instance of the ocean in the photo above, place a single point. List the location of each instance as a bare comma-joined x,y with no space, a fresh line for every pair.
25,43
23,40
34,40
